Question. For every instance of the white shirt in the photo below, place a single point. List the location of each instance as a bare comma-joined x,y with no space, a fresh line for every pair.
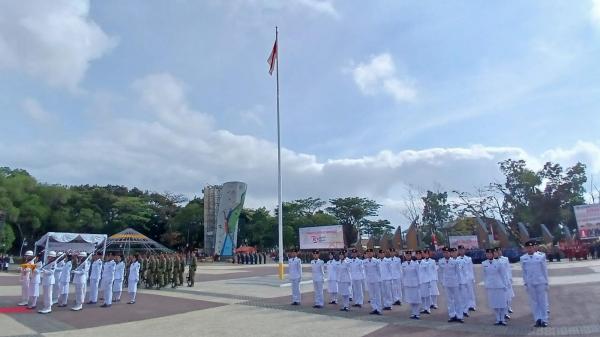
80,273
396,268
372,272
58,270
36,275
48,274
433,269
294,268
343,271
65,274
468,266
410,272
534,269
450,272
424,271
494,274
332,268
134,272
108,272
357,269
318,270
96,270
25,271
119,270
463,277
385,268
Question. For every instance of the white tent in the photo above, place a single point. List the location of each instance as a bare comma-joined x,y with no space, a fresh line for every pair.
130,240
77,242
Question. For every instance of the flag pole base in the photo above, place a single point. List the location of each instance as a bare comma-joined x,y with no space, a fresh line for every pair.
280,269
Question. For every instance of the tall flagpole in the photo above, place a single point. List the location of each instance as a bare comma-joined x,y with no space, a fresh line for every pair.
279,187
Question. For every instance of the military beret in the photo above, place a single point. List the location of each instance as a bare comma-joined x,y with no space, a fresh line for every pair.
315,252
490,250
461,247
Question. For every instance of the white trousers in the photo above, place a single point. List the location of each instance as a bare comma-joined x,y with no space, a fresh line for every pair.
375,295
93,297
55,291
397,290
344,288
386,293
455,306
471,303
538,301
108,294
332,289
64,295
47,297
358,292
25,291
296,297
464,297
79,294
318,287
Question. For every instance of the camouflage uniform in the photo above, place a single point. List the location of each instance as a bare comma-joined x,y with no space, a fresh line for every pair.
175,263
160,271
181,262
193,264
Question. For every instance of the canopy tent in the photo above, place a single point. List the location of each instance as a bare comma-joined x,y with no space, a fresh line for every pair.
130,240
76,242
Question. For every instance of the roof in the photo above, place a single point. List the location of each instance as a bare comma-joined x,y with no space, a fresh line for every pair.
132,240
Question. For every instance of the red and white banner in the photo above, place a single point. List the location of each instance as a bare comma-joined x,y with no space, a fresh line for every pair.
322,237
468,241
588,220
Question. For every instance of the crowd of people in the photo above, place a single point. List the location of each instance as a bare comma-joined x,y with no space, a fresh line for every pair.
96,278
391,278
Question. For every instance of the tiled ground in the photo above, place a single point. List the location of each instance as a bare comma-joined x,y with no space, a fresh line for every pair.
233,299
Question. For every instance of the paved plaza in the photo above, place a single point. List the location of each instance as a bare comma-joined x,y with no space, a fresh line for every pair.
239,300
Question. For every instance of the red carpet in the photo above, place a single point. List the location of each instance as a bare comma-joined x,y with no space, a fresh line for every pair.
15,310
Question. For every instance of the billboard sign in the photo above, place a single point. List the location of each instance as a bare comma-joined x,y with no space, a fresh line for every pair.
469,241
588,220
322,237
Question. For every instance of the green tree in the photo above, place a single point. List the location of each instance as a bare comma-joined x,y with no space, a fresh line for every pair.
7,239
350,212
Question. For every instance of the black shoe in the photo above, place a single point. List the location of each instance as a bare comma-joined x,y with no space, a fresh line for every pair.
350,299
466,314
332,302
472,309
344,309
510,311
538,323
460,320
426,312
295,303
415,317
317,306
506,316
503,324
497,323
453,319
357,305
105,305
375,312
387,308
544,325
397,303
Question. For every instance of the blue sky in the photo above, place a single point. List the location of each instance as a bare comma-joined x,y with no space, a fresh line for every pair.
170,96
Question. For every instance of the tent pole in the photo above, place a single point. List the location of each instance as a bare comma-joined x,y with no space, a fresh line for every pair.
46,246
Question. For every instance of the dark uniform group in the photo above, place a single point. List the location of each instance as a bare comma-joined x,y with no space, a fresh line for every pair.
162,270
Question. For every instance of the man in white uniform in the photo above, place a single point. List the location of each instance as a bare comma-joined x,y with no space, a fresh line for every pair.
133,279
317,267
535,279
450,270
434,291
48,282
385,268
411,283
332,281
357,273
373,278
95,275
57,273
495,282
344,280
396,277
470,301
64,281
424,283
295,275
108,276
25,276
118,282
34,285
80,279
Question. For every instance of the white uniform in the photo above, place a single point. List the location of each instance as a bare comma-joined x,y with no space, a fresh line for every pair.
48,282
344,282
80,275
332,280
295,276
411,283
108,276
95,275
358,277
132,280
494,278
450,270
434,291
470,301
34,285
463,283
373,278
535,279
385,269
64,281
397,279
510,293
117,287
57,273
318,277
424,284
25,273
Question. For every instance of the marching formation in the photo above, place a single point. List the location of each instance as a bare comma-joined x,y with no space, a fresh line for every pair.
96,278
391,278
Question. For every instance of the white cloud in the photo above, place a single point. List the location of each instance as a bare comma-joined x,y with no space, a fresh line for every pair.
179,149
254,115
595,13
319,6
54,41
379,76
36,112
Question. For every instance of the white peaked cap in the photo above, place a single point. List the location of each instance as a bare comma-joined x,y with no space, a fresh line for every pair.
28,253
51,253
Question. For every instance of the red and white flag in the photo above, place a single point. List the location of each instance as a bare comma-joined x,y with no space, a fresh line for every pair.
272,60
